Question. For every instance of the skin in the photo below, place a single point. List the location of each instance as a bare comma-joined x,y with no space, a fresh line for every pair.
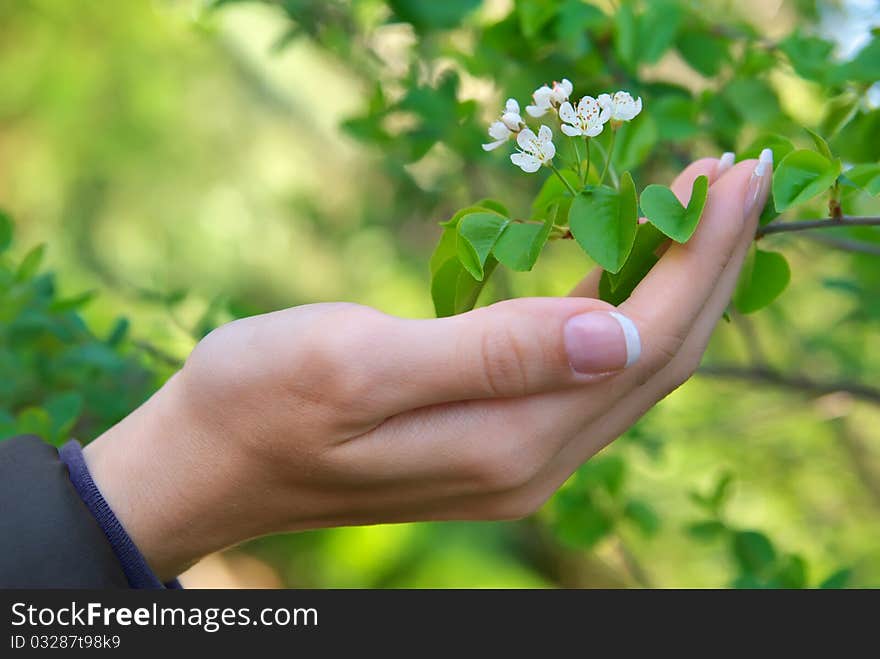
337,414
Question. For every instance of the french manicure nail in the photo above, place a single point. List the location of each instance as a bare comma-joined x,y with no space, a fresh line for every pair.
724,163
601,342
759,181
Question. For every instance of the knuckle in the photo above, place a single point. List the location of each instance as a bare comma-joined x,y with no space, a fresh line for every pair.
501,470
327,343
502,358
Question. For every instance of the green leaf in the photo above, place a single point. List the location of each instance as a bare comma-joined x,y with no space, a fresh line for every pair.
583,526
447,245
616,288
704,52
809,56
866,177
493,205
721,492
779,145
753,552
63,409
604,223
573,22
520,244
607,472
626,35
864,67
838,113
821,145
676,117
769,212
634,142
791,572
5,231
763,278
838,579
533,15
454,290
73,303
433,15
118,333
802,175
30,263
657,29
705,531
664,211
753,99
857,141
477,234
643,516
34,421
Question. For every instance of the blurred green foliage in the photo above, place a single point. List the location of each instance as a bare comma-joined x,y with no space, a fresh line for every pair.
194,165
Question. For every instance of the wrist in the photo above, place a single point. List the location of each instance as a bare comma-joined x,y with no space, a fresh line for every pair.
169,486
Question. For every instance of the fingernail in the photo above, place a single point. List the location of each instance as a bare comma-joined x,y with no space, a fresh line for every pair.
724,163
759,181
601,342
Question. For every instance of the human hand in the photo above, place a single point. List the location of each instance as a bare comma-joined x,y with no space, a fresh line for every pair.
337,414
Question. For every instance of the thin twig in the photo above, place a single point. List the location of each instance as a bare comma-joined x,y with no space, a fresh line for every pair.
793,381
827,223
632,564
847,245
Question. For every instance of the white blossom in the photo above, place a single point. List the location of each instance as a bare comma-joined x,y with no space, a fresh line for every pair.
509,125
535,150
620,106
588,120
549,97
511,117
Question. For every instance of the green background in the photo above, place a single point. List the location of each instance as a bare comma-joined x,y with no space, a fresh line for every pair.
190,165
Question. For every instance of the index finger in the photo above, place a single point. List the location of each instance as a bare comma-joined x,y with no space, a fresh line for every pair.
668,300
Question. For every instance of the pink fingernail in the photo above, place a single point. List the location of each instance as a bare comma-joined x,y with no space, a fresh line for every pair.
728,158
601,342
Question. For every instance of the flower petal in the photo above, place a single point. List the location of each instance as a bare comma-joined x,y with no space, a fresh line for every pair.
566,86
494,145
512,120
594,130
526,139
544,135
571,131
549,151
638,106
567,113
535,111
526,162
511,106
499,131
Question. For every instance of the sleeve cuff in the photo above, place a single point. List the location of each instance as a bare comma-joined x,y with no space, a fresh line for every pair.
134,566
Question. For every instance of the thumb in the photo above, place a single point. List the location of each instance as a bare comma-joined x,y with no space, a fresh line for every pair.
512,348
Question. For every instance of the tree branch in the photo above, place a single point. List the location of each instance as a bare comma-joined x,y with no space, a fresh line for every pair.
847,245
825,223
794,382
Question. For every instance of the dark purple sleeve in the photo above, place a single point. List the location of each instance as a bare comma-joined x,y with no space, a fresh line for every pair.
133,564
